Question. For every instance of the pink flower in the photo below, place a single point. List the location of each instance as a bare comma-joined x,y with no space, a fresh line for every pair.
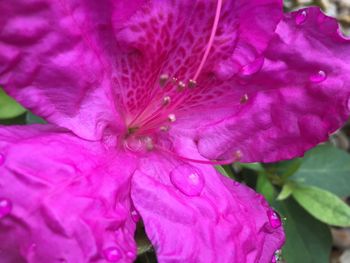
142,96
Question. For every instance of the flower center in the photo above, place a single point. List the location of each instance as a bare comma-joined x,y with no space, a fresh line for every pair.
161,112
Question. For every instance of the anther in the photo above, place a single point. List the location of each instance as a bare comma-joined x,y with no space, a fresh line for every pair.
171,117
244,99
237,155
163,79
166,100
181,86
164,128
149,143
192,83
174,80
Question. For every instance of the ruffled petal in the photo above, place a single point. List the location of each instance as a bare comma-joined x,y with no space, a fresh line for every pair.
295,101
80,64
63,199
193,214
168,39
52,62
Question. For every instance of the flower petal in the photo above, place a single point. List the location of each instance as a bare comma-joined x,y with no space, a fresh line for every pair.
68,200
52,62
193,214
169,38
299,97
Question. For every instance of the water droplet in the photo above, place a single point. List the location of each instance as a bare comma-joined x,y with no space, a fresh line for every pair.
135,216
130,254
5,207
318,77
300,18
112,254
235,183
262,200
274,219
348,103
2,159
187,179
277,257
253,67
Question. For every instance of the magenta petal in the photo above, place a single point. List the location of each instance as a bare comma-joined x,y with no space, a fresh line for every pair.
203,218
170,38
52,62
295,101
69,198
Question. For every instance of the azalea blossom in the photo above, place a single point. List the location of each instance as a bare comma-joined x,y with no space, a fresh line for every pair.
142,99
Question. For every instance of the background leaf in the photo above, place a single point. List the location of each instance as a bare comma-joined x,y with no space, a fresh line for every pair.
9,108
323,205
33,119
326,167
307,239
265,187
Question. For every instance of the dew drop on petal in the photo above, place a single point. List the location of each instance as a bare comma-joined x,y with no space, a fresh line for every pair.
253,67
135,216
274,219
348,103
2,159
318,77
112,254
301,17
129,254
187,179
5,207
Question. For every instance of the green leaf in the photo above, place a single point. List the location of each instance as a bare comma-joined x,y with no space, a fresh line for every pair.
307,239
326,167
252,166
284,169
225,170
265,187
9,108
323,205
287,190
33,119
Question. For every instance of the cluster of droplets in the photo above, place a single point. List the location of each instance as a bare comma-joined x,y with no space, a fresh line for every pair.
320,75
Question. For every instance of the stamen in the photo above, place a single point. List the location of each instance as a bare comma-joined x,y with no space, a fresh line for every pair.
149,143
166,100
244,99
181,86
174,80
192,83
211,39
237,156
163,79
132,130
172,117
164,128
